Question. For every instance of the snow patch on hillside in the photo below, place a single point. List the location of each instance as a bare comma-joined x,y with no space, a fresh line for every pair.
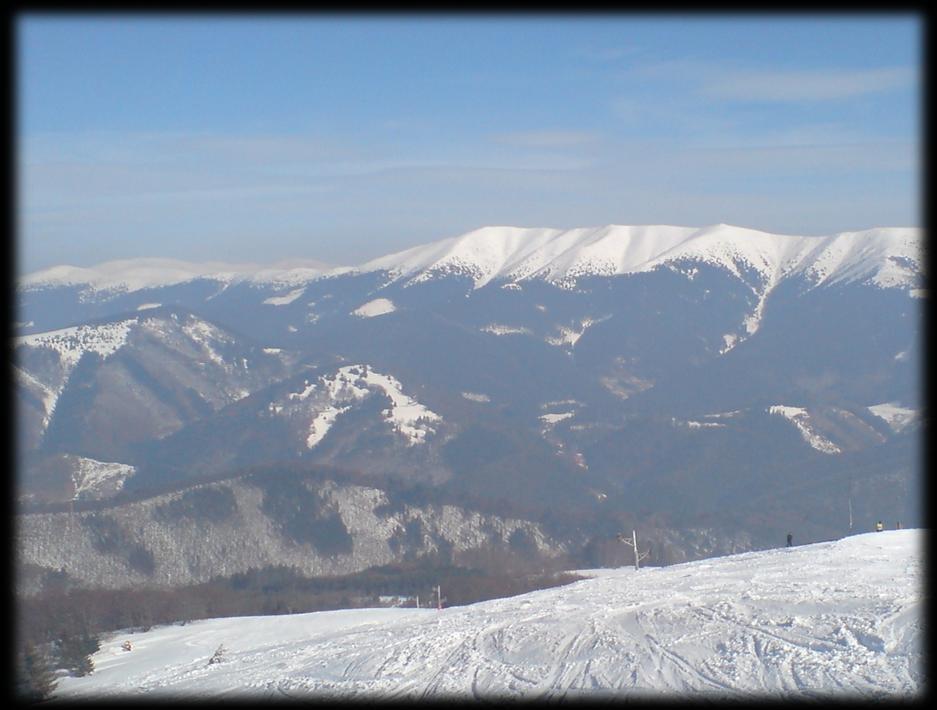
285,298
553,418
723,415
476,397
897,417
92,476
694,424
570,336
377,307
333,395
801,419
148,306
207,336
48,395
72,343
500,329
827,621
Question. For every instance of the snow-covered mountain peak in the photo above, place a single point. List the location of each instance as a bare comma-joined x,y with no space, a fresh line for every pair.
127,275
886,257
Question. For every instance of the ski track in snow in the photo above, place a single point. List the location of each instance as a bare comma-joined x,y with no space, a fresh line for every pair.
838,619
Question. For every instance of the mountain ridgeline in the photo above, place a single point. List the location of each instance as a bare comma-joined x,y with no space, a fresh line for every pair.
714,387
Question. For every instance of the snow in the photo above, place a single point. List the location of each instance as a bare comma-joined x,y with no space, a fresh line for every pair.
570,336
476,397
406,415
335,395
92,475
885,257
723,415
322,423
693,424
831,620
128,275
500,329
801,419
730,340
206,335
148,306
896,416
48,394
286,298
552,419
70,344
377,307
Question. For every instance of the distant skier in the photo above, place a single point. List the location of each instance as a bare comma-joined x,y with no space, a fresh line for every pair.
879,526
790,540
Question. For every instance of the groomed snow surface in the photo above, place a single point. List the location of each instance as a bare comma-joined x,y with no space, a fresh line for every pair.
838,619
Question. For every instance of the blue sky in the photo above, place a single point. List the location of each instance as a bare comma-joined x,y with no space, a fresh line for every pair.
337,138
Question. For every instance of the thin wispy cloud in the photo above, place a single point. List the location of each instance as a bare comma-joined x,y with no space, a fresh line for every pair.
804,85
546,139
607,54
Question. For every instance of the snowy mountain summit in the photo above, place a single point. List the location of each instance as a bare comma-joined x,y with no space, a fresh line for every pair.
887,257
831,620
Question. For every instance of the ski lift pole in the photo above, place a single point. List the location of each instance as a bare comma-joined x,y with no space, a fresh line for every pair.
633,542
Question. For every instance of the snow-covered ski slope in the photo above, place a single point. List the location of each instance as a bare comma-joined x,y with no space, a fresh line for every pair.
838,619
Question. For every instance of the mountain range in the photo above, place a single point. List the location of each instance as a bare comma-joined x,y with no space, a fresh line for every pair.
717,387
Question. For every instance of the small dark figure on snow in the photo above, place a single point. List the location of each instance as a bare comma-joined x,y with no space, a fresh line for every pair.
790,540
879,526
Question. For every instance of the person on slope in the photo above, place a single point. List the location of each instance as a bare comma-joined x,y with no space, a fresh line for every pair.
790,540
879,526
